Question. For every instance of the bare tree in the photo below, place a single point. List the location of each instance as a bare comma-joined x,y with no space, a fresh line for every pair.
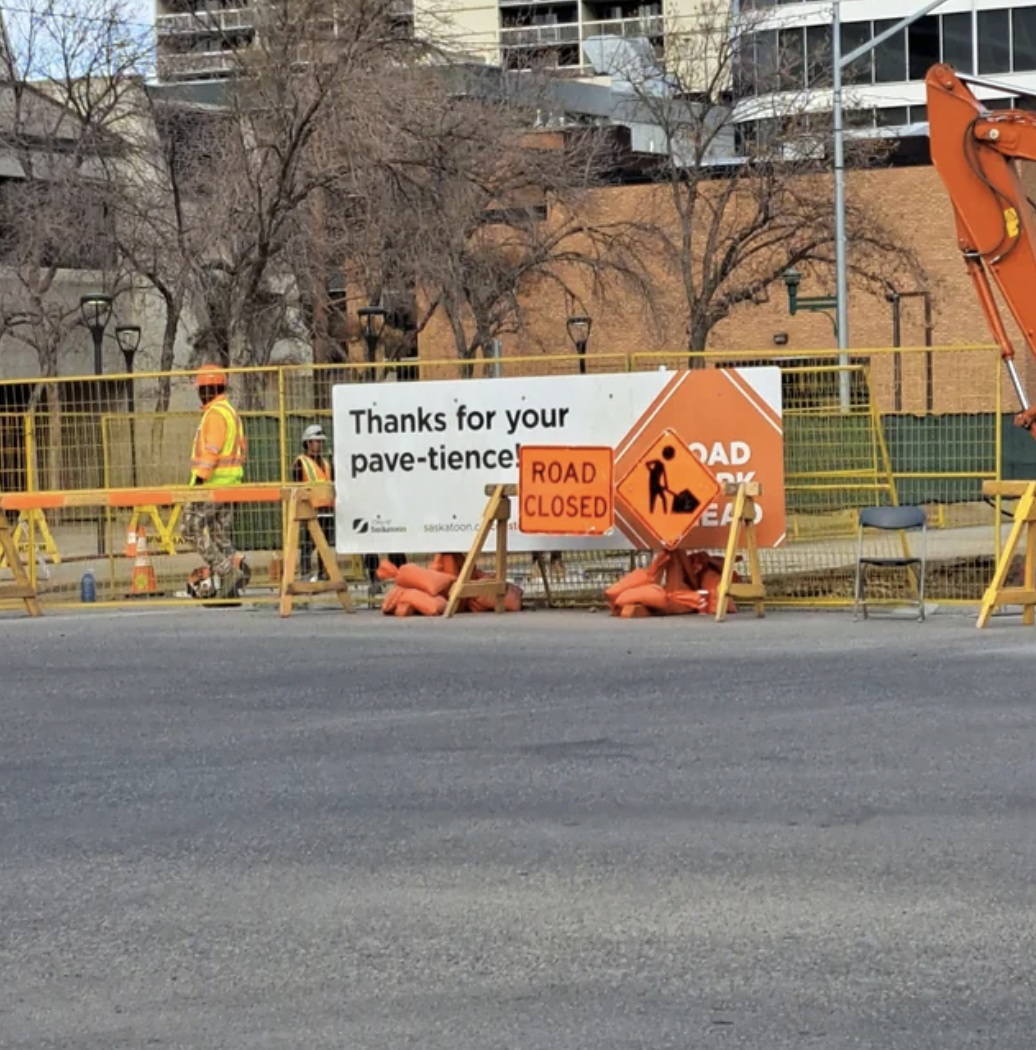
740,113
64,77
63,81
503,212
317,71
160,207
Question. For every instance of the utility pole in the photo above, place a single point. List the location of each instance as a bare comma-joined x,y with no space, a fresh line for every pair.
841,62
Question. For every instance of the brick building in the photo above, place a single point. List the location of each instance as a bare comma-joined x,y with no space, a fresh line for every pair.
910,200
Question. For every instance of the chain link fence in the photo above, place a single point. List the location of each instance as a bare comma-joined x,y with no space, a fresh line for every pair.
846,446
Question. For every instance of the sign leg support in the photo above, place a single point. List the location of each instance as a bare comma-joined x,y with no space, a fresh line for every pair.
498,513
21,588
745,494
997,593
302,514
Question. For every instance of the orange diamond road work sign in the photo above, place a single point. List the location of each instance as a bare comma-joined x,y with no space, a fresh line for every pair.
668,489
565,490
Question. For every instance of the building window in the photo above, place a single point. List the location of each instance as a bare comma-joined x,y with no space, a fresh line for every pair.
818,55
854,35
890,64
792,58
1023,38
994,41
891,116
957,41
758,66
923,44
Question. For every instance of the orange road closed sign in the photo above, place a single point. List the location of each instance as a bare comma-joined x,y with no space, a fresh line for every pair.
565,491
668,488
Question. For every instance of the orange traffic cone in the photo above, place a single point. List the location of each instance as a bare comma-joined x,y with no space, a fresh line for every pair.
143,572
131,542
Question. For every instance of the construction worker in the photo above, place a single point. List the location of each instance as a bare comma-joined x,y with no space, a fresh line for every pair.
310,467
217,460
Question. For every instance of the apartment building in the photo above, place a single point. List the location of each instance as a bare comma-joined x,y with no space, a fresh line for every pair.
197,39
987,38
546,34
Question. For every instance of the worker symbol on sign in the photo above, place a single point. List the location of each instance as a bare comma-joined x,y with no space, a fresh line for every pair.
665,492
684,502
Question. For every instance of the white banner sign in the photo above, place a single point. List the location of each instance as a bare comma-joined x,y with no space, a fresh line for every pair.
412,459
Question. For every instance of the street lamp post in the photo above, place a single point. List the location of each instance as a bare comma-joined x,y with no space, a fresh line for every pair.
579,332
96,310
373,318
840,62
819,304
128,338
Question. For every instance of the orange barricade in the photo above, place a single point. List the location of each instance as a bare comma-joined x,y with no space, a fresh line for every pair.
143,574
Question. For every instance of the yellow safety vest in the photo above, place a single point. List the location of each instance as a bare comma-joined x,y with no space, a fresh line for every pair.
316,472
229,467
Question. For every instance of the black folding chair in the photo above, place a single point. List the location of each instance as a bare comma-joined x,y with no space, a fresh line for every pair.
890,519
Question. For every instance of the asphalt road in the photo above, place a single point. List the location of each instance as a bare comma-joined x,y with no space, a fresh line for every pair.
552,830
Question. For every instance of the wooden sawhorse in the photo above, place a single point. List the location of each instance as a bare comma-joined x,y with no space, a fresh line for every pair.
497,512
302,513
754,591
22,588
997,593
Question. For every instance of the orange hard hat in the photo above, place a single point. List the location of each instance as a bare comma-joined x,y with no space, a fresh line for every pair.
211,375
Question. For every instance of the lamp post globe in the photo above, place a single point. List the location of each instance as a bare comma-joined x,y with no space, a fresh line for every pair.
128,338
579,326
792,280
96,311
373,318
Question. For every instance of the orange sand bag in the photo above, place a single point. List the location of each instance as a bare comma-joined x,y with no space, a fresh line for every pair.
451,564
634,612
487,603
390,601
683,602
426,604
638,578
386,570
416,603
710,580
431,582
675,574
650,595
694,565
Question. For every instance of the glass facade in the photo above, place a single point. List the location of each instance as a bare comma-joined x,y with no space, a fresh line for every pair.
998,41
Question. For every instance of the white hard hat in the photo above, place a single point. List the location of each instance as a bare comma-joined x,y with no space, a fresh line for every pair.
313,433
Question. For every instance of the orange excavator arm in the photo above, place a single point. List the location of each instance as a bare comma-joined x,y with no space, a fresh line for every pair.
973,149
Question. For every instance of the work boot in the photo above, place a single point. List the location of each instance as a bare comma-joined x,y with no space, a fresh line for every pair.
229,583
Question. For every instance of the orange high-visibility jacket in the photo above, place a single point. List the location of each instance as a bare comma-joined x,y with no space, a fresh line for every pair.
312,471
220,447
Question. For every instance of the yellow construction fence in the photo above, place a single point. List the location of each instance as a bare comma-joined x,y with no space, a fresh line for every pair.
922,425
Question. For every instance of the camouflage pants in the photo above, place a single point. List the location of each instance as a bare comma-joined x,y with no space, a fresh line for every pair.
208,526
